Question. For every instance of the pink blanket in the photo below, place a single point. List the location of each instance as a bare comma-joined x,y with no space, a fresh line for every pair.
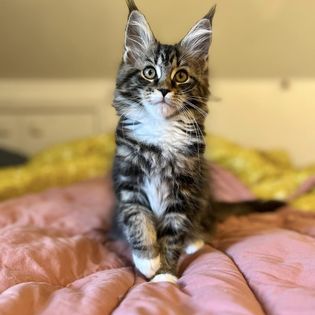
53,262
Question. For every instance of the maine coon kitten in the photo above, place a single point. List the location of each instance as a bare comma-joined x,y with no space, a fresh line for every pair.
160,174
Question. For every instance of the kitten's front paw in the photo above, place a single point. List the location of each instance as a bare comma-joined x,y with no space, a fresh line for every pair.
164,277
194,246
148,267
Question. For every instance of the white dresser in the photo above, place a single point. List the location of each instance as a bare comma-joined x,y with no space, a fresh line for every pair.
36,114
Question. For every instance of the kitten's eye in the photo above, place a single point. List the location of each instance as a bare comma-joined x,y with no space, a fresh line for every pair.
149,73
181,76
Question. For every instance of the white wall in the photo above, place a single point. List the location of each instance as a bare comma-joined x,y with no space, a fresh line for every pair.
263,114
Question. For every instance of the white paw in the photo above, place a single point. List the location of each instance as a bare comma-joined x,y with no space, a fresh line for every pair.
148,267
194,247
164,277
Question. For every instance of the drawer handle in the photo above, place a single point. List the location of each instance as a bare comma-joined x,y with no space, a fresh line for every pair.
36,132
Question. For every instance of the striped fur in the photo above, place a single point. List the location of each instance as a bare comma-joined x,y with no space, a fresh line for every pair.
160,173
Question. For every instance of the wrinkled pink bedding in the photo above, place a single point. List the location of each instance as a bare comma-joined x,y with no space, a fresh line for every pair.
53,262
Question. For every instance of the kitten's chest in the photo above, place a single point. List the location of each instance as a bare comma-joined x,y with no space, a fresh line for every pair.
158,193
158,182
161,184
169,136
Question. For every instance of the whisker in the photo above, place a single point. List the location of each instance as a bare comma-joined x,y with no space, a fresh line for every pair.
201,111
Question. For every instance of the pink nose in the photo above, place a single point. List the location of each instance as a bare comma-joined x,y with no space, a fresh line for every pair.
164,91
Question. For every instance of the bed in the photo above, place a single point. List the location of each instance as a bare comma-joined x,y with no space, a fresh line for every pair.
55,257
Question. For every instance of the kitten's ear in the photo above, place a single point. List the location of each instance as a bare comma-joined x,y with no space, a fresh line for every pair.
138,34
197,42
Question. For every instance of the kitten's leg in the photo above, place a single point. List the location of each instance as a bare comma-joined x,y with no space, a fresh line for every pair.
206,228
191,248
172,234
139,229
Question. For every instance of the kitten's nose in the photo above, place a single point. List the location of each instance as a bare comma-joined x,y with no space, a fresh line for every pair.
164,91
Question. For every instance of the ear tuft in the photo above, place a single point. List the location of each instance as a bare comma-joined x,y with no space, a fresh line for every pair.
210,15
131,6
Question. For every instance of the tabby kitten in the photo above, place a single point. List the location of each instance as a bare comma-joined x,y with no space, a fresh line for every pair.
160,174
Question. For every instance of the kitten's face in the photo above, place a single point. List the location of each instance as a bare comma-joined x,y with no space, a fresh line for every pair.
163,81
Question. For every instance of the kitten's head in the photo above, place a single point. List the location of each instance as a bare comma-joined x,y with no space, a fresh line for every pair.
163,81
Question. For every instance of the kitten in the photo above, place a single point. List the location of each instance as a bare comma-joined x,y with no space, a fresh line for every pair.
160,174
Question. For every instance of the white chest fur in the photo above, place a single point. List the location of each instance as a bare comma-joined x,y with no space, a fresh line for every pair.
157,193
169,137
163,133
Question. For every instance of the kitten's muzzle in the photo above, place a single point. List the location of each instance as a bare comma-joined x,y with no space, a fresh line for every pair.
164,98
164,91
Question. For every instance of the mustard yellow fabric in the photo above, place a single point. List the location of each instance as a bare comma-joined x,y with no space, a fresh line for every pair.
269,174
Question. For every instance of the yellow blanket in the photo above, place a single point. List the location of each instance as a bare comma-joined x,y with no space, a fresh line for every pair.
268,174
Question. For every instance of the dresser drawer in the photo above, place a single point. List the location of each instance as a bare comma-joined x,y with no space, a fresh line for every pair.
42,130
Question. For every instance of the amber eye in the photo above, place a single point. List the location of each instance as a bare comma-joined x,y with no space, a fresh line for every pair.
181,76
149,73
